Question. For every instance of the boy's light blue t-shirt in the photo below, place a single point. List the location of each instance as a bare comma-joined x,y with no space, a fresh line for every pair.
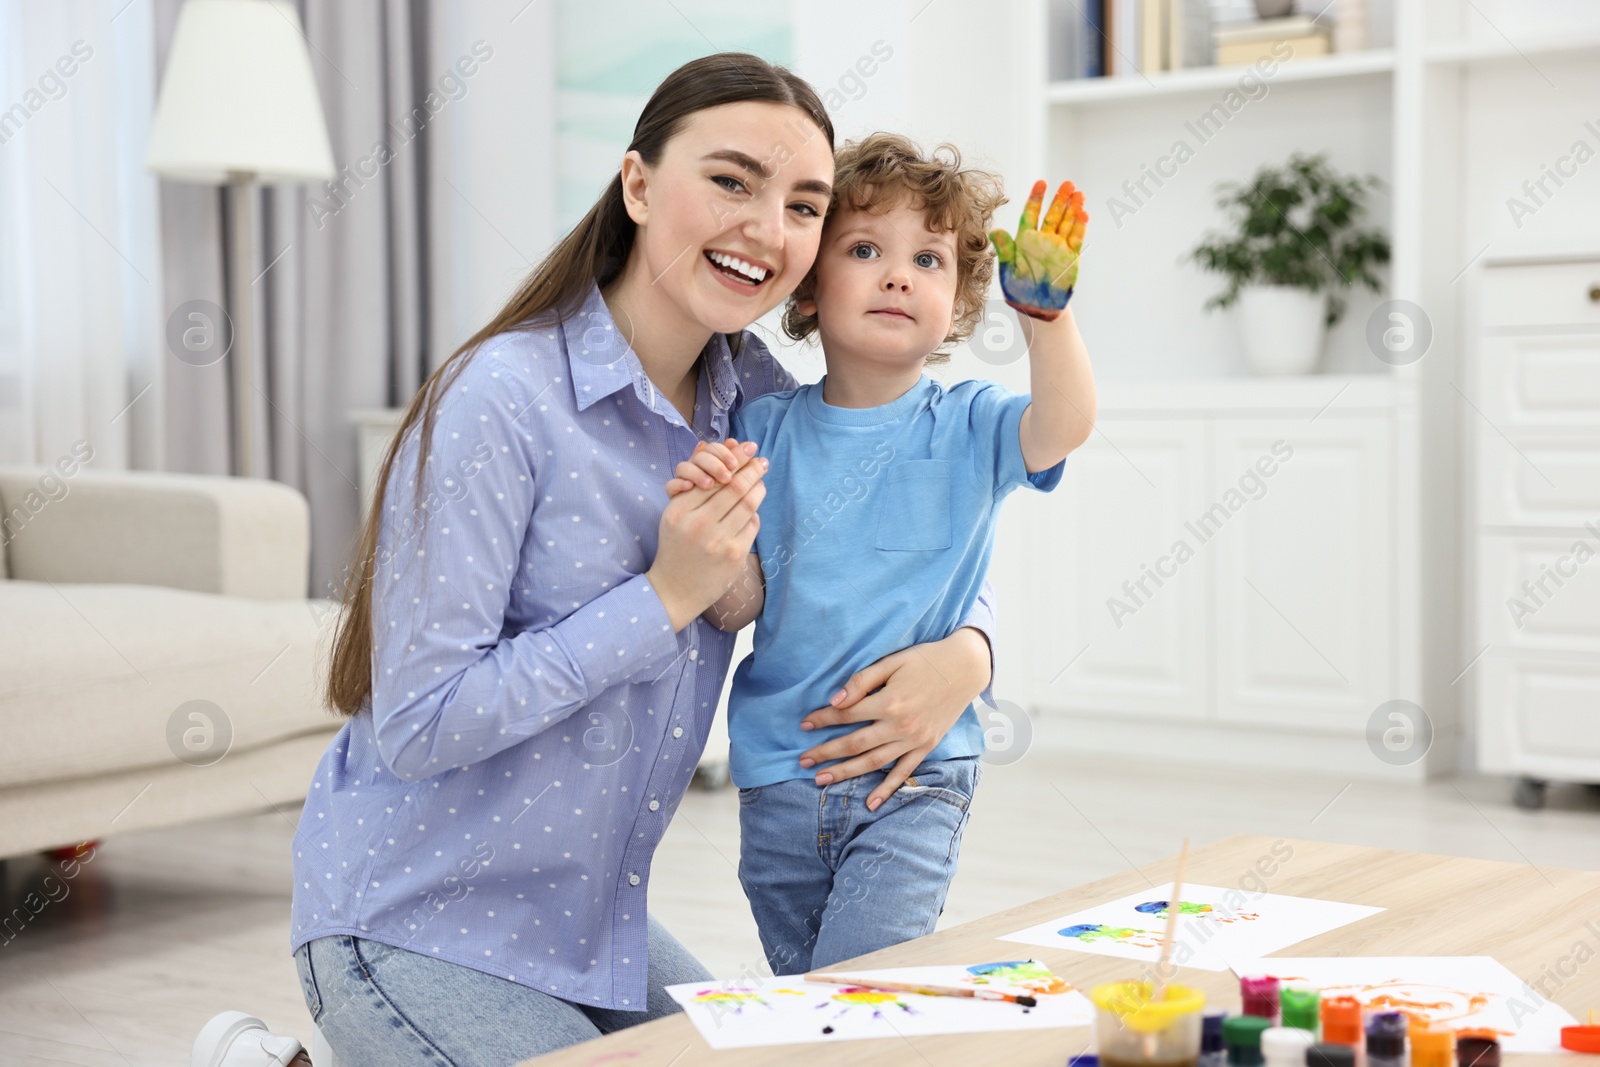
875,535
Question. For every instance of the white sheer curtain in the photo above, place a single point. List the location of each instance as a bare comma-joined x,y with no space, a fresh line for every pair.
357,304
80,258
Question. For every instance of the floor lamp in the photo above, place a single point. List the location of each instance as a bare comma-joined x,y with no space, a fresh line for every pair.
239,106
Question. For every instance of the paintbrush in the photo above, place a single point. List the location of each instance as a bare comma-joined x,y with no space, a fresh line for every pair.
1159,991
976,992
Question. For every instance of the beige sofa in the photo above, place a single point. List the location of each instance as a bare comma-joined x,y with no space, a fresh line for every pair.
159,659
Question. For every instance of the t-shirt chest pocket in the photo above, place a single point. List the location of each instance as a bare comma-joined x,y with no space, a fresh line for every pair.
914,514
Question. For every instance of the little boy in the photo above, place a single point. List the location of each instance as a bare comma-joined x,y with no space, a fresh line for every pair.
877,527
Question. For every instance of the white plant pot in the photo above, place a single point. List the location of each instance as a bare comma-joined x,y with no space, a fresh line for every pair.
1282,328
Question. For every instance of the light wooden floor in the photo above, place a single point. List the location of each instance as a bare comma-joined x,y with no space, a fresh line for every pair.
164,929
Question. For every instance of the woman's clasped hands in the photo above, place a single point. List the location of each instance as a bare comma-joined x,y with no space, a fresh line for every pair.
708,526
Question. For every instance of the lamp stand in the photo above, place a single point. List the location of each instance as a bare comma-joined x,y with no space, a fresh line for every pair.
241,294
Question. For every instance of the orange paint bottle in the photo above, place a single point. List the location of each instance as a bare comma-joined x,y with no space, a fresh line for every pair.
1341,1021
1433,1046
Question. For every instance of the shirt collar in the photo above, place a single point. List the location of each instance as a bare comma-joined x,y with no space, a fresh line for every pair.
602,362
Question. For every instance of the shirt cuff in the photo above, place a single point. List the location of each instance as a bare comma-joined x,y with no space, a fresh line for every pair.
620,635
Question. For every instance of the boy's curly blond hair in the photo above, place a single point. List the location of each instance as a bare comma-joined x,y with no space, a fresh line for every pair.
874,174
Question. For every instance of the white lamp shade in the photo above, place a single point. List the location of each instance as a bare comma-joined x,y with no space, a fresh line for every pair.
239,96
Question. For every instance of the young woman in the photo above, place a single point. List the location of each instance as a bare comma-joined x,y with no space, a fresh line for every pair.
528,679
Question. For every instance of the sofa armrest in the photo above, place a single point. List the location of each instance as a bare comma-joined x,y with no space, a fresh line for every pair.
247,537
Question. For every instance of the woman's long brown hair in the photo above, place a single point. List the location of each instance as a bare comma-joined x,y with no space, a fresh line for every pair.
595,251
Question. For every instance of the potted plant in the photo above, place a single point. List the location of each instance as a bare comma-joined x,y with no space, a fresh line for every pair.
1297,245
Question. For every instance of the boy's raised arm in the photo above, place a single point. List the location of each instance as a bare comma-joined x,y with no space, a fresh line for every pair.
1038,269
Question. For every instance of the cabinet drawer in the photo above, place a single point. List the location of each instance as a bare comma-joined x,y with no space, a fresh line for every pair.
1549,380
1540,592
1541,294
1538,477
1536,715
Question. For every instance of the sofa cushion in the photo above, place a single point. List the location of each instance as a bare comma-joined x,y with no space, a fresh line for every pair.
96,673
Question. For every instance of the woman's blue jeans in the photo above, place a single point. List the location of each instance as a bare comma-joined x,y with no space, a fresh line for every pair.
389,1007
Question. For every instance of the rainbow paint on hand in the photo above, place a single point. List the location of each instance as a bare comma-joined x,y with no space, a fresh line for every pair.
1039,267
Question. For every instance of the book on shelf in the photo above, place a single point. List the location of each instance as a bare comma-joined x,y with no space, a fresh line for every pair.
1152,35
1268,29
1078,38
1174,34
1123,32
1245,53
1240,44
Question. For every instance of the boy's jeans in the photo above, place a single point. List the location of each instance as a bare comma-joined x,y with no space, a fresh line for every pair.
829,880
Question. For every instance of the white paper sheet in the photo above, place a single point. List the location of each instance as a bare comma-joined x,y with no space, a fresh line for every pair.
1462,991
780,1011
1214,927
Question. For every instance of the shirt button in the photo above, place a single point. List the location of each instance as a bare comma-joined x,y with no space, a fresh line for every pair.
633,879
677,731
655,805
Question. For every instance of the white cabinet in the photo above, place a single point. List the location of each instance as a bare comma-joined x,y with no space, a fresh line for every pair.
1214,577
1535,443
1302,589
1109,643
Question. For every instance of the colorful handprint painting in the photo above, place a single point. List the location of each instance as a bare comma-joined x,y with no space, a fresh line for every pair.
1030,975
1214,925
775,1011
876,1001
1158,909
1089,933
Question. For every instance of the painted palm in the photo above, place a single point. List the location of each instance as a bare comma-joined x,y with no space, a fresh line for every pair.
1039,267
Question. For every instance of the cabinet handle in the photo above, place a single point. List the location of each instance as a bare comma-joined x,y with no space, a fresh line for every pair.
1594,294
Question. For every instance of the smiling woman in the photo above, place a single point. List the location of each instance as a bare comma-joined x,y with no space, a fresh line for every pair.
526,670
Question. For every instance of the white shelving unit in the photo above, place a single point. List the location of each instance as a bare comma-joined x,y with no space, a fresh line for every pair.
1460,103
1205,79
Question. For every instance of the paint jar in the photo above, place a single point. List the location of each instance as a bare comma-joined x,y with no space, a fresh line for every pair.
1432,1045
1341,1021
1477,1048
1131,1030
1300,1005
1260,997
1242,1034
1213,1051
1325,1054
1386,1039
1285,1046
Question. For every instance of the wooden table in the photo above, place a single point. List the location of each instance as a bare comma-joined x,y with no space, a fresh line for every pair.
1531,919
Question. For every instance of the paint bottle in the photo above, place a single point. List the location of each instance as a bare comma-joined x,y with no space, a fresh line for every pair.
1260,997
1285,1046
1242,1035
1326,1054
1341,1025
1300,1006
1213,1050
1386,1040
1132,1030
1341,1021
1433,1046
1477,1048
